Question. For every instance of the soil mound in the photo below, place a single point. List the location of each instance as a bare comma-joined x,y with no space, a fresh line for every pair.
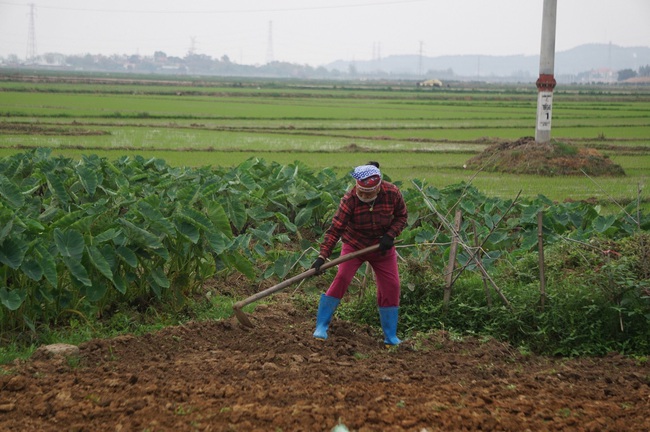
525,156
220,376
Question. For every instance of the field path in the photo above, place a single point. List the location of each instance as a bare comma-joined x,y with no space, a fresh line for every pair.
219,376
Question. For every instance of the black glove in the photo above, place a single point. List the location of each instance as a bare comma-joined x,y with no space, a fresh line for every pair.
386,242
316,265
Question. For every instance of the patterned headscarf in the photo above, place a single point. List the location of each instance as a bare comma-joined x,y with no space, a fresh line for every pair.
368,177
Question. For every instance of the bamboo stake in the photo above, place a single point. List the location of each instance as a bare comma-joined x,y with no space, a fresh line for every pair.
488,236
452,259
488,296
478,264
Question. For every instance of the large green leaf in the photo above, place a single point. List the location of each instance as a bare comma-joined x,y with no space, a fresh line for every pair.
248,164
120,284
33,226
77,270
303,217
107,235
108,252
248,181
88,178
85,223
468,206
219,218
189,193
188,231
237,212
6,229
158,275
140,236
45,294
258,213
13,299
529,213
96,291
12,252
10,192
207,267
210,187
155,218
496,238
197,219
529,239
603,223
57,188
242,264
32,268
64,220
217,241
282,266
48,264
100,262
162,253
51,213
290,226
262,236
157,289
70,243
127,255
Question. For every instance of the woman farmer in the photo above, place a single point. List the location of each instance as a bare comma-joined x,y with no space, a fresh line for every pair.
372,212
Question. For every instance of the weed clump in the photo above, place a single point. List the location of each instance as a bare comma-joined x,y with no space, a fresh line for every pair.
525,156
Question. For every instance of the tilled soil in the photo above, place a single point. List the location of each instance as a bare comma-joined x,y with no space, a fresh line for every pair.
220,376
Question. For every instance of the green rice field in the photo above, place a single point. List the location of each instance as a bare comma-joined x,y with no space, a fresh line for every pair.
414,133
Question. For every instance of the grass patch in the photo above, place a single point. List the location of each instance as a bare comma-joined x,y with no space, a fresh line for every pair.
124,319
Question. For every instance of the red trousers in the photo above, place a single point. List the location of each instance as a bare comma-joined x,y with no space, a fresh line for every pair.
384,264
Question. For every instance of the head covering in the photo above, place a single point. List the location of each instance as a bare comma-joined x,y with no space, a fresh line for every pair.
368,177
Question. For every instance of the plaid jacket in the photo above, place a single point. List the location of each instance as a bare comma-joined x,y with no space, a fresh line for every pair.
362,224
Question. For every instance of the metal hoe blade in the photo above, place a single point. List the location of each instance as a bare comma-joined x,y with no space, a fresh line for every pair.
241,317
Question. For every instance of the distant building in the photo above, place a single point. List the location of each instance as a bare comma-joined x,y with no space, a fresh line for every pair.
602,75
430,83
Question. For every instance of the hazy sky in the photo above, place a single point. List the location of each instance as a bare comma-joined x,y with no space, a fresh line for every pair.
314,32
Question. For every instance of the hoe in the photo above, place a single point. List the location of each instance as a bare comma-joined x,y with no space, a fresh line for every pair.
237,307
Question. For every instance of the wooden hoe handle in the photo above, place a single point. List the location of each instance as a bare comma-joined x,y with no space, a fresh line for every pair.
303,275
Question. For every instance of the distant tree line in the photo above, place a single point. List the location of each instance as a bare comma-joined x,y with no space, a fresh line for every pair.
644,71
201,64
160,62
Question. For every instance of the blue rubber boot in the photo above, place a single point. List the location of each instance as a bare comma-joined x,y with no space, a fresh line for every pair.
388,318
326,309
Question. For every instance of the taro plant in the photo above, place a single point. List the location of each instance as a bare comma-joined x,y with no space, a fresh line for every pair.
76,236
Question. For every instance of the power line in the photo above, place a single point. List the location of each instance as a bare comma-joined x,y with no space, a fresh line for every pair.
226,11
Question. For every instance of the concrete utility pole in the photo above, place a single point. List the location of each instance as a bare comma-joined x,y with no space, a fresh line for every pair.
546,81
